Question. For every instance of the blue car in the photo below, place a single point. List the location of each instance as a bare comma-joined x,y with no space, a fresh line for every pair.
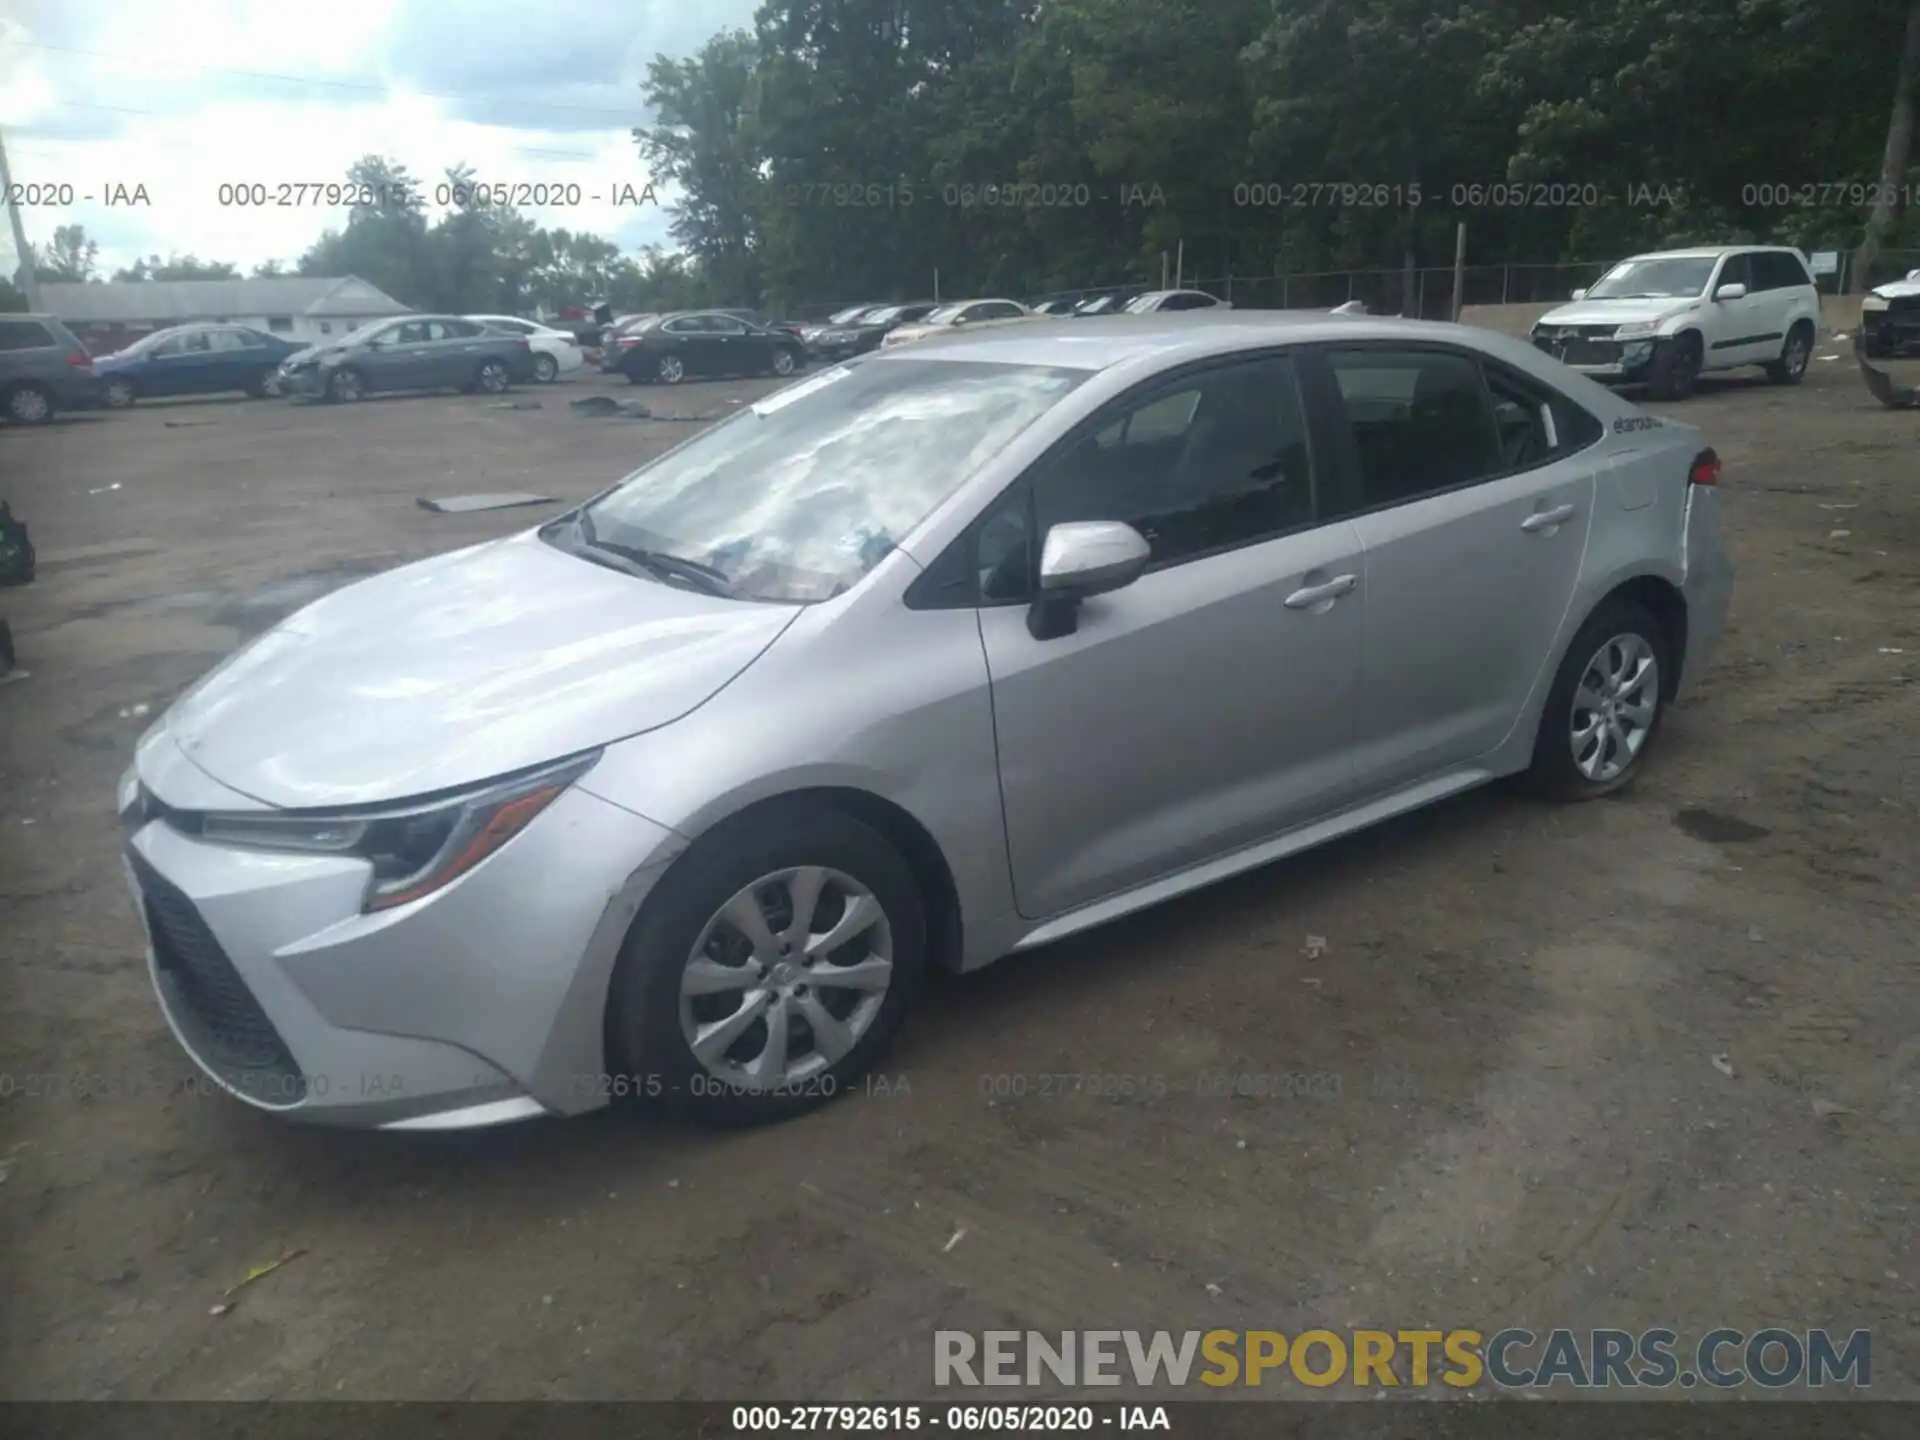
192,360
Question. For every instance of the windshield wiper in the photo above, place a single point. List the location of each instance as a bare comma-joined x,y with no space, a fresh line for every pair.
636,560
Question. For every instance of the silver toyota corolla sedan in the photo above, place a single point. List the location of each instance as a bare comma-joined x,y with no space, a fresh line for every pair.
930,657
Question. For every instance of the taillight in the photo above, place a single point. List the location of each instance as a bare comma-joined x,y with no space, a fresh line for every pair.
81,360
1705,470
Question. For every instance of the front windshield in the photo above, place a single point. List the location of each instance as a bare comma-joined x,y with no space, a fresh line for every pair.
1140,304
1669,278
795,498
944,314
851,313
885,315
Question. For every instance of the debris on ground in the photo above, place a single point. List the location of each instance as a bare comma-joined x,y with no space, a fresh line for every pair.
1724,1065
258,1272
1822,1108
103,489
958,1235
517,405
607,405
134,712
182,425
466,504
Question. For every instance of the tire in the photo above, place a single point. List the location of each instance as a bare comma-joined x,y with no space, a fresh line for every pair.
785,362
649,1017
669,370
546,369
346,385
1619,630
27,404
258,388
1795,353
1676,369
118,395
491,378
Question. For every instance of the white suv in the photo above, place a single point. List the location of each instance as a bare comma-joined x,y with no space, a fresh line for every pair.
1660,320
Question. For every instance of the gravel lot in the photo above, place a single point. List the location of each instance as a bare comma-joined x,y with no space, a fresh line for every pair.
1519,1007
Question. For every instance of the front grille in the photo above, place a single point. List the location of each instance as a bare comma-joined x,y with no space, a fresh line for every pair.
1580,344
216,1013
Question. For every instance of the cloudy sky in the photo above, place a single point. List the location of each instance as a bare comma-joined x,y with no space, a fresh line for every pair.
179,96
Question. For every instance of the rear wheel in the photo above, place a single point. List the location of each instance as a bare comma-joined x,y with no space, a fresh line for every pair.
772,968
784,362
669,370
1791,367
1676,368
491,378
28,404
1606,704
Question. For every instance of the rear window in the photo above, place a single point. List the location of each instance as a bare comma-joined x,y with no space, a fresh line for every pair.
25,335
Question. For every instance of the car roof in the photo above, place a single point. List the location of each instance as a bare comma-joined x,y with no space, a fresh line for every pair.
1185,334
1709,252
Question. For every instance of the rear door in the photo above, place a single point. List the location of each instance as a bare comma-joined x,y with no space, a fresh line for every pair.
191,365
461,345
738,349
1473,515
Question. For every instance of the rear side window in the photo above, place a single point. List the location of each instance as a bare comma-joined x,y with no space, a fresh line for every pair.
1419,421
1537,424
1777,270
25,335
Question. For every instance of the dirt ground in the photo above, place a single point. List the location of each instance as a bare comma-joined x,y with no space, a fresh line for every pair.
1519,1007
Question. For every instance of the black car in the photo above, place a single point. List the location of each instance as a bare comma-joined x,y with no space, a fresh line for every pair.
765,321
192,360
43,369
702,343
865,333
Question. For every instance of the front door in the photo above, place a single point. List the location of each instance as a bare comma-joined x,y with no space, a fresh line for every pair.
394,358
1744,331
1473,506
1209,704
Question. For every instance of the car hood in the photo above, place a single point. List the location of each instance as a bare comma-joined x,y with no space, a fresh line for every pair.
1615,312
1897,289
460,668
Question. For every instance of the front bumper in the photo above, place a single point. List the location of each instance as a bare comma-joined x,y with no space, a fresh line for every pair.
308,381
481,1003
1599,356
1892,332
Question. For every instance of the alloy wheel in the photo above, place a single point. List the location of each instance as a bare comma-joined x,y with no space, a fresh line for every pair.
344,385
671,369
1613,707
545,368
787,977
783,362
119,394
1799,350
493,377
29,405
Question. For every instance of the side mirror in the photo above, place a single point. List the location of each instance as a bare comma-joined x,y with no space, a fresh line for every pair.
1579,294
1730,292
1081,559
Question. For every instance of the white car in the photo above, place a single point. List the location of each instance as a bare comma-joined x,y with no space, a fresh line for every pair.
1661,320
970,313
1890,318
555,352
1157,300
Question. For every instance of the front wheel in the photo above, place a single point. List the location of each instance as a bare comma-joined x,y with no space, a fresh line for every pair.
1791,367
1676,368
771,969
1605,706
119,395
345,386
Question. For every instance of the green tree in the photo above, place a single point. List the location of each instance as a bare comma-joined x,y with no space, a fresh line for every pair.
177,267
71,256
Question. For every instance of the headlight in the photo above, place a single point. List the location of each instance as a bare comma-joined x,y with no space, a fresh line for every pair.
414,849
1873,302
1637,330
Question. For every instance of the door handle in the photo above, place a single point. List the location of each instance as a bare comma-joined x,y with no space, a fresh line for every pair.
1308,596
1547,519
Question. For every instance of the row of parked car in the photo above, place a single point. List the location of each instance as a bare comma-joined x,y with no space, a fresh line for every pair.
45,369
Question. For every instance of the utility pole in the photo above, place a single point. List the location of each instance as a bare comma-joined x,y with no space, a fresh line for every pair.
29,282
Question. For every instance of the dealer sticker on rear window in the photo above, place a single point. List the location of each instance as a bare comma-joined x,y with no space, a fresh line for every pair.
1628,423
